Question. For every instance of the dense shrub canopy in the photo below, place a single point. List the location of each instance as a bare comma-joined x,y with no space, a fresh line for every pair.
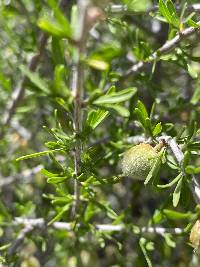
81,82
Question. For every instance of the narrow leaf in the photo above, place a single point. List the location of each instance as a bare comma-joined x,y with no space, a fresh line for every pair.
158,129
148,126
53,28
192,170
57,180
196,95
172,10
175,215
192,23
142,244
60,17
164,11
177,193
142,109
35,79
124,112
168,239
140,117
175,180
116,97
154,171
60,214
95,117
97,64
38,154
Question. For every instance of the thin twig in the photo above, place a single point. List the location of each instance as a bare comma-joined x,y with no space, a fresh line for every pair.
40,222
176,150
20,239
166,48
77,91
87,17
123,9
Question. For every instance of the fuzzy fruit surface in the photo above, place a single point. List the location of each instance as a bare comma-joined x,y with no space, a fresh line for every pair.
195,235
138,161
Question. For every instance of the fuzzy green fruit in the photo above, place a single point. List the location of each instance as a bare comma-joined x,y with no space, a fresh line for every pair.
138,161
195,236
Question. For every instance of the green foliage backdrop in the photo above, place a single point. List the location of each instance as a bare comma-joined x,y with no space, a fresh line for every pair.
81,82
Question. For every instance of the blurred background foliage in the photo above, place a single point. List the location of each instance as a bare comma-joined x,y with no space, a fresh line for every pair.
168,87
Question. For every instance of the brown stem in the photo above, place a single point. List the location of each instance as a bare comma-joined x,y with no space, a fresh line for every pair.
87,17
78,93
164,49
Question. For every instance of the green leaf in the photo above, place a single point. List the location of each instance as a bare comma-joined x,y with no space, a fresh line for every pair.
124,112
58,51
192,23
140,117
60,17
142,109
171,8
194,146
4,247
38,154
175,215
186,159
142,244
97,64
104,206
61,200
157,217
94,180
164,11
174,17
150,246
90,211
35,79
62,103
95,117
192,170
196,95
155,169
60,214
175,180
53,28
58,78
54,145
57,180
169,241
5,82
112,89
177,193
48,173
59,25
158,129
148,126
137,5
192,129
116,97
193,73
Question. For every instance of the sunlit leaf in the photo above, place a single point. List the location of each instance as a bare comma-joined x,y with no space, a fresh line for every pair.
117,97
177,193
